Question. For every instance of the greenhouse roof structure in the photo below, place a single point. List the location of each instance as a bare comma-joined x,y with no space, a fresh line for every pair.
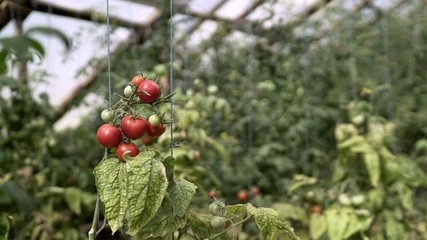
194,21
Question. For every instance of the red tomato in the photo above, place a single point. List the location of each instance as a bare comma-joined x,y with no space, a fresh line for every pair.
138,79
254,191
147,139
133,128
148,91
242,196
156,131
316,209
212,194
109,136
130,148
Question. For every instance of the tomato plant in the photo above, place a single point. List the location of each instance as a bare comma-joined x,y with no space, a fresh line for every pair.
133,128
148,91
109,136
130,148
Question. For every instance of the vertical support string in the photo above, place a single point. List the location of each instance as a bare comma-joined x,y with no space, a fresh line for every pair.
305,63
108,55
249,104
172,102
387,73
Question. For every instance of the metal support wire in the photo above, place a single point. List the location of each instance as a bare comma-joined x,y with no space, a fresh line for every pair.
172,102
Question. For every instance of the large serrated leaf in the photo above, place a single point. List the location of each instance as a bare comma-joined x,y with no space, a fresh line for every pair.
318,225
266,220
110,180
73,197
181,194
146,188
163,223
372,162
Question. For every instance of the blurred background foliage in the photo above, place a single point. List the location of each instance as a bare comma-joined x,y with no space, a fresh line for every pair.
312,123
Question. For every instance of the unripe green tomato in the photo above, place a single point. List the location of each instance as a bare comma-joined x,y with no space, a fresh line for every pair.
358,199
128,91
217,222
215,209
212,89
344,199
107,115
154,120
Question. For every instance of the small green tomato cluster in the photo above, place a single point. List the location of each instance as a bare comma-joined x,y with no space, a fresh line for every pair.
217,209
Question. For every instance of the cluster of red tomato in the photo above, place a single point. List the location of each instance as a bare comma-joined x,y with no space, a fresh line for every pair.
131,126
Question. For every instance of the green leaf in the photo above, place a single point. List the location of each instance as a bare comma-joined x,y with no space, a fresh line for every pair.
133,191
265,219
318,225
372,162
146,188
284,227
235,213
52,32
111,180
405,195
300,181
73,197
181,194
21,45
200,224
169,163
3,65
164,222
394,230
288,211
337,221
351,142
357,224
4,226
